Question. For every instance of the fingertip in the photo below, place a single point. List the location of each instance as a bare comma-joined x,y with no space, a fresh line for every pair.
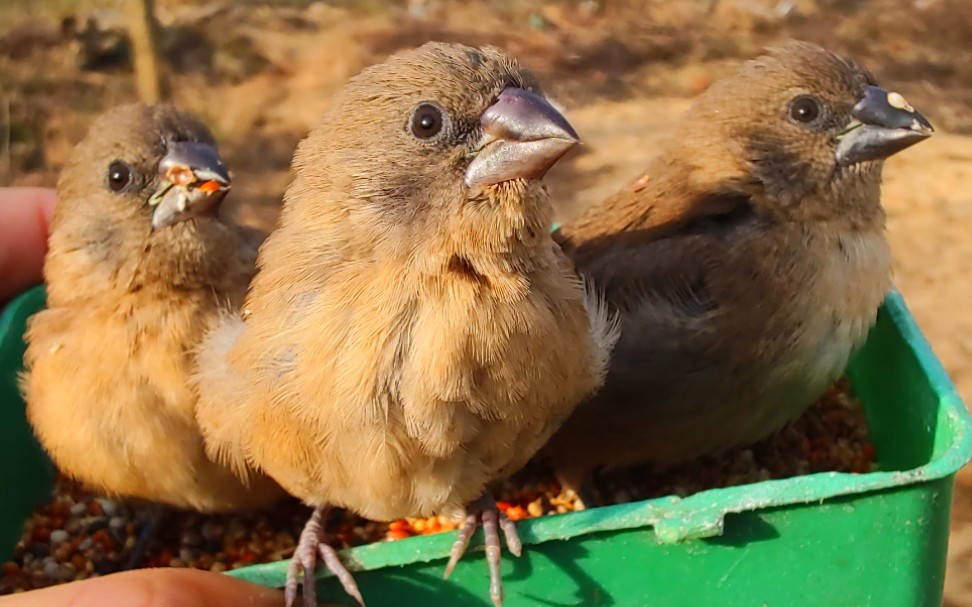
46,198
25,218
164,587
207,589
41,199
195,588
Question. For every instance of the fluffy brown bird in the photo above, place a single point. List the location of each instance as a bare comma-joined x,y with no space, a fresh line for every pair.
414,333
748,263
139,268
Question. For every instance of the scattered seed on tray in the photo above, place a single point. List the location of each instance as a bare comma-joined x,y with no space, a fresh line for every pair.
79,534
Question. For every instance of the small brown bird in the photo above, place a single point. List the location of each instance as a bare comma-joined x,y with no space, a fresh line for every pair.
139,267
748,263
414,333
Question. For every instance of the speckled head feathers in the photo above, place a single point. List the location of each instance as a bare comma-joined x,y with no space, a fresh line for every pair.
104,222
463,79
772,129
135,134
762,89
365,147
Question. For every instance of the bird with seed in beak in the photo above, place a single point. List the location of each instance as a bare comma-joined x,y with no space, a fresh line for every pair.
748,262
139,266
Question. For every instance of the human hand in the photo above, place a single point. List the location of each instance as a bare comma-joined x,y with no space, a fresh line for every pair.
163,587
25,214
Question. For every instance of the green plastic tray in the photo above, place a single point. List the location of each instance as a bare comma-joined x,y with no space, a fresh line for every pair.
830,539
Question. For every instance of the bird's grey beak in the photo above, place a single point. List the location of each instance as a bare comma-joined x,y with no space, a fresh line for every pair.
193,180
523,136
883,124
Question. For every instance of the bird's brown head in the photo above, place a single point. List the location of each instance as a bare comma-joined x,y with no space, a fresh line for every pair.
433,132
149,164
138,203
800,130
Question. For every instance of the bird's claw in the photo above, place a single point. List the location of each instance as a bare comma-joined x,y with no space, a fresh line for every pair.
311,547
485,512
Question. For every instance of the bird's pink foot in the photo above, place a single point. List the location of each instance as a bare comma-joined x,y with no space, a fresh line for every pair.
310,548
484,511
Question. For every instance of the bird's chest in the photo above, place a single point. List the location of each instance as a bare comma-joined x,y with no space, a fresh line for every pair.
423,390
135,360
111,385
838,294
458,367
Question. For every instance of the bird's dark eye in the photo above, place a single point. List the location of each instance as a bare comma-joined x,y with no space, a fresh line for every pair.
119,176
426,121
805,109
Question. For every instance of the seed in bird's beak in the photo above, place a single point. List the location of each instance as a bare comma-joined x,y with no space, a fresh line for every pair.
895,100
179,174
209,187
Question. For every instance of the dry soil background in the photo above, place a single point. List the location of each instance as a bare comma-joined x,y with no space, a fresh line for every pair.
625,70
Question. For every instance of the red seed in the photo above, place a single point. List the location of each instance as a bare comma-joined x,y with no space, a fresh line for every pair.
101,536
209,186
516,513
42,534
503,506
78,561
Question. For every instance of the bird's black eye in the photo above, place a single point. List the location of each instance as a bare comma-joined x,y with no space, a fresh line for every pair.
426,121
805,109
119,176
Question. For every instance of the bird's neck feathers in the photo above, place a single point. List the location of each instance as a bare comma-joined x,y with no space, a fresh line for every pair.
505,226
855,195
92,259
200,253
509,223
497,243
847,199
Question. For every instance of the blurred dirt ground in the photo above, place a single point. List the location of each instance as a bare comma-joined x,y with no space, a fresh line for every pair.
259,74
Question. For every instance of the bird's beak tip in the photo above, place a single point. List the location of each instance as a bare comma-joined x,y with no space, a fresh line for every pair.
884,124
524,135
193,182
